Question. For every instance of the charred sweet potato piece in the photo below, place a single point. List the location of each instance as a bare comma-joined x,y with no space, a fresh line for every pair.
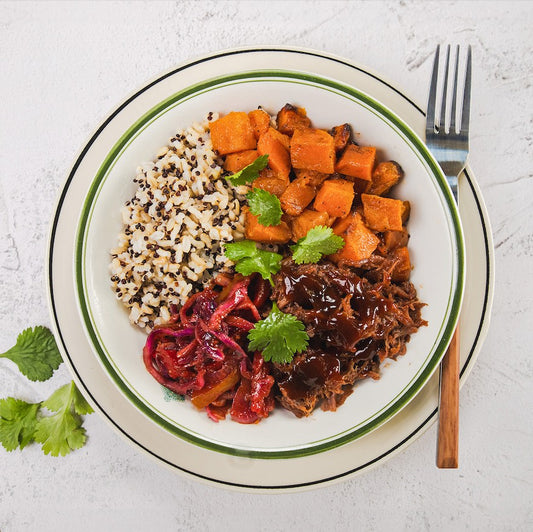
260,121
383,214
272,234
335,197
297,196
357,161
310,177
291,118
384,177
273,185
313,149
406,211
278,156
309,218
402,268
341,136
232,133
359,241
395,239
237,161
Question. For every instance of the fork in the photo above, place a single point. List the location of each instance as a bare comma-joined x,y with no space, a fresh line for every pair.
449,145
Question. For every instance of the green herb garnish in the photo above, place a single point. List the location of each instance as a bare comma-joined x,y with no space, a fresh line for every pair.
60,433
265,206
18,420
317,242
249,173
279,336
35,353
249,259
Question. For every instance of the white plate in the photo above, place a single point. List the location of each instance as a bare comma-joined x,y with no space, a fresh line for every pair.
242,471
436,248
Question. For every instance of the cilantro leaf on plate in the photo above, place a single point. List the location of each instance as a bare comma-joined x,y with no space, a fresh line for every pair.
319,241
18,420
249,173
279,336
35,353
249,259
62,432
265,206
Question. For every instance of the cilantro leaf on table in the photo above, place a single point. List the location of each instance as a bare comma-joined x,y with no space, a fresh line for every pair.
18,420
265,206
279,336
35,353
249,259
62,432
249,173
319,241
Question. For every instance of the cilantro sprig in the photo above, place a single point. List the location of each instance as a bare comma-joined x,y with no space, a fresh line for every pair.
35,353
60,433
249,173
279,336
37,356
317,242
265,206
249,259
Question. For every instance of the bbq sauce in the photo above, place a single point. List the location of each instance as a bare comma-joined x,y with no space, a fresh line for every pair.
345,319
338,308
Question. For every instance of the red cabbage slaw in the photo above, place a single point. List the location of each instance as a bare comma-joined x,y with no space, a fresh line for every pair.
202,352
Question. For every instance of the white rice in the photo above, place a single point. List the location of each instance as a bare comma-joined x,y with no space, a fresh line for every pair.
174,227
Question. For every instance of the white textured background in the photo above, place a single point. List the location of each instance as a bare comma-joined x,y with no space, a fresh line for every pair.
65,65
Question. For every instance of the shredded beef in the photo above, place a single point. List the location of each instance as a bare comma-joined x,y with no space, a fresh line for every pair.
355,318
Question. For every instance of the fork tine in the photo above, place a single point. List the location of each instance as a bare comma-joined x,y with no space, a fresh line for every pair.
442,121
454,92
432,98
465,113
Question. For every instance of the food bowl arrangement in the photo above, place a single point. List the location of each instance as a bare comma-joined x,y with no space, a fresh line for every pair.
435,248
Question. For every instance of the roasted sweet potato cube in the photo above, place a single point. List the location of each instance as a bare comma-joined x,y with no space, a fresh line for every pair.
271,184
307,220
402,269
406,211
260,121
313,149
297,196
232,133
382,214
341,136
359,241
237,161
278,156
357,161
335,197
284,139
291,118
395,239
272,234
310,177
384,177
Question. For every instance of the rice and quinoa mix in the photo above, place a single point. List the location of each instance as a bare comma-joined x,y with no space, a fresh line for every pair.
174,227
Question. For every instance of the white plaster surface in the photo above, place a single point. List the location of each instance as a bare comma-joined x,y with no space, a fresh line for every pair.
65,65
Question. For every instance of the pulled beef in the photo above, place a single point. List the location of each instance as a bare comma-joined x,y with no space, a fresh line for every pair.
355,318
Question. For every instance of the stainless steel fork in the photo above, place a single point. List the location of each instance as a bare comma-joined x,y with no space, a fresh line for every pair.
448,141
449,145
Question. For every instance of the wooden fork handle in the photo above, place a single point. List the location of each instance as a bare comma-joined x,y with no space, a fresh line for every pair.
448,438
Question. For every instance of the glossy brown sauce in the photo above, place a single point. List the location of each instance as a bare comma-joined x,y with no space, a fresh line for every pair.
345,317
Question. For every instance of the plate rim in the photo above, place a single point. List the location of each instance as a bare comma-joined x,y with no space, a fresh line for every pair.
456,291
481,328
